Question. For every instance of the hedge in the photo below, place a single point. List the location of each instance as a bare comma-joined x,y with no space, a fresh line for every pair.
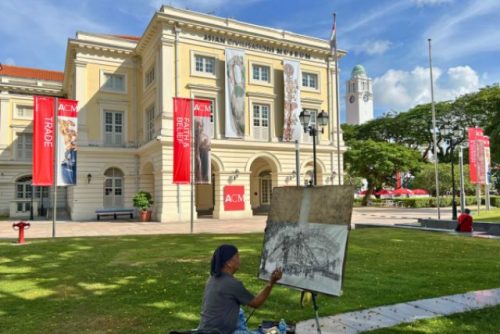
431,202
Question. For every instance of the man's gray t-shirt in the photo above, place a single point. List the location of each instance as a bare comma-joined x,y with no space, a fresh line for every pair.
221,303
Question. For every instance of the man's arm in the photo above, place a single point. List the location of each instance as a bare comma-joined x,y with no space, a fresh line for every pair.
264,293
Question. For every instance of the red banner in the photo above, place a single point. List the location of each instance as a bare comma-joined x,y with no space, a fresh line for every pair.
202,140
182,140
234,198
67,125
476,153
43,141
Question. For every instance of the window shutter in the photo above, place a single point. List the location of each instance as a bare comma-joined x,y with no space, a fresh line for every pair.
118,139
108,138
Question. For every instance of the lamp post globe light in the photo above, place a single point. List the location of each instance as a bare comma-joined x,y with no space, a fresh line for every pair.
453,135
313,130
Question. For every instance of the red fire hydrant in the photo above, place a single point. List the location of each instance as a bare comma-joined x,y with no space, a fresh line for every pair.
21,226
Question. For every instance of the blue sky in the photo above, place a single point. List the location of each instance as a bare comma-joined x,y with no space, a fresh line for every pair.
388,37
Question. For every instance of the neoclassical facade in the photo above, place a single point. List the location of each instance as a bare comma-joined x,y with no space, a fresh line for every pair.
125,87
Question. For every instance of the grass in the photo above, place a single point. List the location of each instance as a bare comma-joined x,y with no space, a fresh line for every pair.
480,321
491,216
153,284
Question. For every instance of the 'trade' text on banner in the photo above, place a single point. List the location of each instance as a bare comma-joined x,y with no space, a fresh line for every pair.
182,140
43,141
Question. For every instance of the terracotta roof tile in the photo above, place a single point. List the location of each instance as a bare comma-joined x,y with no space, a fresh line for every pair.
31,73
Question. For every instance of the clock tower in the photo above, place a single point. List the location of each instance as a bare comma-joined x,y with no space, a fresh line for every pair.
359,97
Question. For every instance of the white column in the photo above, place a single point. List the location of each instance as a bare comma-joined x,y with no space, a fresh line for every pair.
4,127
81,96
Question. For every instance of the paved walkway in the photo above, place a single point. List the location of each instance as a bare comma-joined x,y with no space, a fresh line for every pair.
43,229
392,315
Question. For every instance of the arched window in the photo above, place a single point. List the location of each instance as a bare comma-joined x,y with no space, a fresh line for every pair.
113,188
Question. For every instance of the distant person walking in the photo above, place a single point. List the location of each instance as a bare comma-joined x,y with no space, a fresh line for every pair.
465,222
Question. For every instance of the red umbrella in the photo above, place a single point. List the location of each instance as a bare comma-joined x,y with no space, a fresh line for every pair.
402,192
384,192
420,192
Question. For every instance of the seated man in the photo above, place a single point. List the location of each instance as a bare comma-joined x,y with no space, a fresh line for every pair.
224,294
465,222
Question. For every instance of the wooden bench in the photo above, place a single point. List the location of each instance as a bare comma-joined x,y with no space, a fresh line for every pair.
114,212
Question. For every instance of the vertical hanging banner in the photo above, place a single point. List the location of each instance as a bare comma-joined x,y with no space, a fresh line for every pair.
292,129
202,142
43,141
182,140
480,163
235,93
487,160
67,125
473,137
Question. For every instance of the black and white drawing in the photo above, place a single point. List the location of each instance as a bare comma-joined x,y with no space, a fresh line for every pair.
311,255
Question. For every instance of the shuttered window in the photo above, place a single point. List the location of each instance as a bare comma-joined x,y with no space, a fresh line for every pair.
24,146
113,128
261,122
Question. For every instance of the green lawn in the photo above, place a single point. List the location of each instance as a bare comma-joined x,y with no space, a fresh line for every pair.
481,321
152,284
492,215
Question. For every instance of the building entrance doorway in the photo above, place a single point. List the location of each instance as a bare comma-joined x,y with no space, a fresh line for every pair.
113,188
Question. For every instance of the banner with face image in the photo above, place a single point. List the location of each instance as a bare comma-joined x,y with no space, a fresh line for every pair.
202,111
67,127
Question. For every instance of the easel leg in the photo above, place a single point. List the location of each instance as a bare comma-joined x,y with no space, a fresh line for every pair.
315,306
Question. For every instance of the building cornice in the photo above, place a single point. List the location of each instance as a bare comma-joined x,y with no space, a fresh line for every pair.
169,17
32,90
209,88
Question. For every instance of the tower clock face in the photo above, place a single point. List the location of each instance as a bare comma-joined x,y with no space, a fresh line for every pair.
351,99
366,97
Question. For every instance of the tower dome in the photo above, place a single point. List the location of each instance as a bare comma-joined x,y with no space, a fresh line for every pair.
358,71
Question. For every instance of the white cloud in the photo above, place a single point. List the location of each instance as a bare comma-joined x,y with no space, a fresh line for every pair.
8,61
471,30
373,47
430,2
367,19
401,90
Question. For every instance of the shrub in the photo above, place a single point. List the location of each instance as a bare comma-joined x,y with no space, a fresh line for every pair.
143,200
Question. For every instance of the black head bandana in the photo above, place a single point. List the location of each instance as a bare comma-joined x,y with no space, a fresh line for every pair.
222,254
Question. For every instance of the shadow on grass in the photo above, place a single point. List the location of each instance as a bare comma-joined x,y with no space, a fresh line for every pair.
153,284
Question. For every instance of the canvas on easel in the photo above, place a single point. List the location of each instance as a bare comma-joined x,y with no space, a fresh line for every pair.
306,235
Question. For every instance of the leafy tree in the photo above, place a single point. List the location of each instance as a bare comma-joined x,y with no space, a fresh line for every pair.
378,162
425,179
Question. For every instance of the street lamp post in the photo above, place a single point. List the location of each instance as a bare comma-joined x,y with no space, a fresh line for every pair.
322,120
453,135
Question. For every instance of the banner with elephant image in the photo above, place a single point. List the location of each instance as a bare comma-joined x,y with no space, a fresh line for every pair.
292,129
235,93
67,126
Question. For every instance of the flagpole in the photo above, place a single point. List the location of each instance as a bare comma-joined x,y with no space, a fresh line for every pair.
337,95
434,140
56,158
191,176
